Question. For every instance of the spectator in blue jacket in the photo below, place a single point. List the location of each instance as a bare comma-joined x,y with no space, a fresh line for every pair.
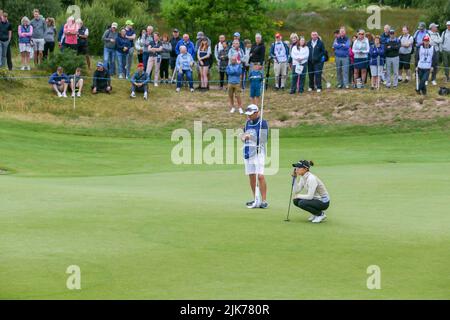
109,48
234,72
123,45
184,66
59,82
384,37
419,34
186,42
61,38
139,82
341,47
376,56
315,61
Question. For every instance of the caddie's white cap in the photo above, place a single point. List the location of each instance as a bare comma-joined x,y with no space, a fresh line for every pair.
251,109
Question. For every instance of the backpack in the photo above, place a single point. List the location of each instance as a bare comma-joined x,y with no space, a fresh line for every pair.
326,56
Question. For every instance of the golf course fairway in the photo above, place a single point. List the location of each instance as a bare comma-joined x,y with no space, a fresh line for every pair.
140,227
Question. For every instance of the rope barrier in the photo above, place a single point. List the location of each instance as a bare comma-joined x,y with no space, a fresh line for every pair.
210,81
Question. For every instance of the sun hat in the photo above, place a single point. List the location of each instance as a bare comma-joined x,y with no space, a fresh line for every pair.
302,164
432,25
251,109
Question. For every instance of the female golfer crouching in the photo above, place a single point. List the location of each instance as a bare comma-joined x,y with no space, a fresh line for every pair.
316,200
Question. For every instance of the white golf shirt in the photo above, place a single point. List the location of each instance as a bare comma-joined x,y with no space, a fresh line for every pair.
315,189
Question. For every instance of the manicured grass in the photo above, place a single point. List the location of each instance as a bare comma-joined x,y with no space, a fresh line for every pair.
140,227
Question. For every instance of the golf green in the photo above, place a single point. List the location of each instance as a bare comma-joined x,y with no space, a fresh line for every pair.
140,227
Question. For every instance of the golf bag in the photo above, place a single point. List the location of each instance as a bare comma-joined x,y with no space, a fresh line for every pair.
443,91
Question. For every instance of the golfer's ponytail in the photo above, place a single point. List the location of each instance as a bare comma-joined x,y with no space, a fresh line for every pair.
311,163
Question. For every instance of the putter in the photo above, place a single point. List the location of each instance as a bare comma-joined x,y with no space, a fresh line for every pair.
290,198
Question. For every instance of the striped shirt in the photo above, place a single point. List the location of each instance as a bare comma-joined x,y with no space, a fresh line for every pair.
315,189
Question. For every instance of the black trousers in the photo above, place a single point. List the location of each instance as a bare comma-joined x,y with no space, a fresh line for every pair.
49,47
164,69
9,57
423,78
313,206
223,75
315,75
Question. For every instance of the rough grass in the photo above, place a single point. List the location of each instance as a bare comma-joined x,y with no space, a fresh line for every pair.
33,100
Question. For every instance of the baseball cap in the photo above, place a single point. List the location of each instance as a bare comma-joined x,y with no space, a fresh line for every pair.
140,65
448,23
176,30
302,164
200,35
236,34
277,35
251,109
99,64
421,24
114,25
432,25
426,38
392,30
129,23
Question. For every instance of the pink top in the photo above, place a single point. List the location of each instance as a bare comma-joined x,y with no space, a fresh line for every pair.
71,38
25,34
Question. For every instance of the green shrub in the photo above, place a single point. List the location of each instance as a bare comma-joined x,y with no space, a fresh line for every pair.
68,59
7,79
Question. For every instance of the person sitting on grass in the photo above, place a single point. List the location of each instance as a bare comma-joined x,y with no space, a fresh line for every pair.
256,77
76,83
101,81
139,81
59,82
316,200
234,72
183,66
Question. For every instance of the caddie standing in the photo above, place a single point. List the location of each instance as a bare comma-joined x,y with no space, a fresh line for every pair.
255,138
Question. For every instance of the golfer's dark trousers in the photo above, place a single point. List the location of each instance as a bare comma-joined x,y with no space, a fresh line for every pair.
313,206
423,77
315,75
